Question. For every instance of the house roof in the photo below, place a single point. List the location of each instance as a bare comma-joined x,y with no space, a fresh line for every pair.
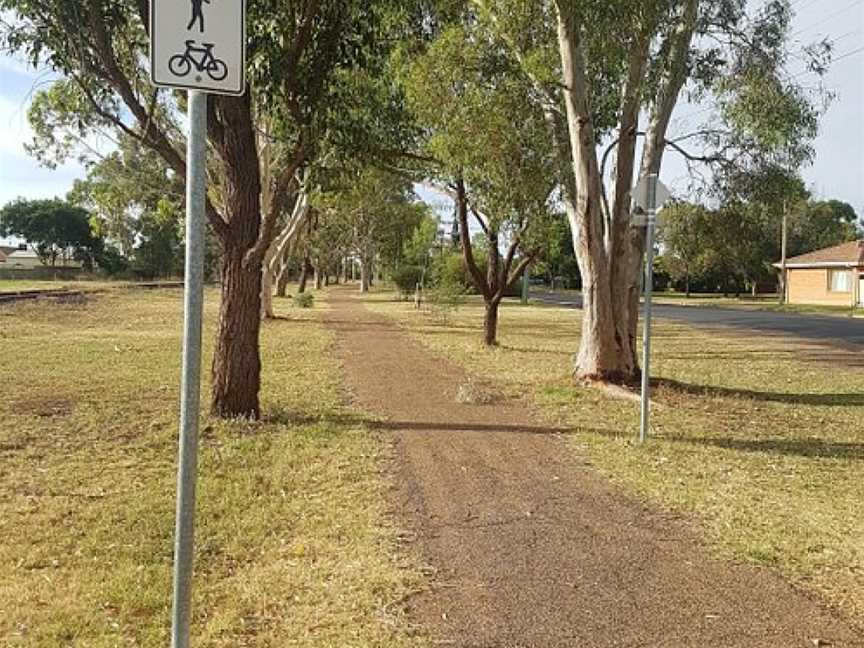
848,254
23,254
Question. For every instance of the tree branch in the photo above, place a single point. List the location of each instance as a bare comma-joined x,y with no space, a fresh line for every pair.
480,220
465,237
280,195
549,99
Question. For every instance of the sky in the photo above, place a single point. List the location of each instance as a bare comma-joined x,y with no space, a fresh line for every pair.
838,170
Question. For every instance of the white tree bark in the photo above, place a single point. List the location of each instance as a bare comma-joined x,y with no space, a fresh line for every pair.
276,253
608,249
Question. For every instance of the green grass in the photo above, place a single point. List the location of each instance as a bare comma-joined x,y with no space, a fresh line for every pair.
766,302
293,544
761,440
814,309
760,302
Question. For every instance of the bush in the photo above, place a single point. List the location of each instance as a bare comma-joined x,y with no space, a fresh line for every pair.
112,262
303,300
444,299
451,270
406,279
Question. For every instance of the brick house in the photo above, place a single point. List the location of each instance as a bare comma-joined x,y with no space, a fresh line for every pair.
832,276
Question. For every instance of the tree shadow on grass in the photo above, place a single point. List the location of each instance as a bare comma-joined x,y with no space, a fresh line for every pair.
807,448
842,399
434,426
521,349
288,417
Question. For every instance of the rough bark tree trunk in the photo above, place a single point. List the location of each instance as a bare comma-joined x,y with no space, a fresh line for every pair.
237,360
305,269
490,323
236,377
500,274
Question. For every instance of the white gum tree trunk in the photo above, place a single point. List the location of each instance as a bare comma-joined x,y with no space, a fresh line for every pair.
608,249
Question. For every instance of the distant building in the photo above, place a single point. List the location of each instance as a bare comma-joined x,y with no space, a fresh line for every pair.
832,276
5,251
22,257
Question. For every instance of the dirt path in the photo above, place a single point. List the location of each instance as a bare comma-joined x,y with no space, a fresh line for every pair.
532,548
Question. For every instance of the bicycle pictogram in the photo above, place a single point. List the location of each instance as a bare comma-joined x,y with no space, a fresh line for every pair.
201,58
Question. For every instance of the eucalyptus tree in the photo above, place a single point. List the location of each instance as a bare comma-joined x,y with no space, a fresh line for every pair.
486,140
685,237
607,73
99,50
58,230
120,187
365,210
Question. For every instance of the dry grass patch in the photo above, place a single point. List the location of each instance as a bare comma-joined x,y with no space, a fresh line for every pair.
15,285
764,443
293,544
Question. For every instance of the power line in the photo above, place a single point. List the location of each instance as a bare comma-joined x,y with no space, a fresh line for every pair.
802,73
826,18
834,60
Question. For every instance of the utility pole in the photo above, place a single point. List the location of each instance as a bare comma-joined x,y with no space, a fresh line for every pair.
783,237
526,279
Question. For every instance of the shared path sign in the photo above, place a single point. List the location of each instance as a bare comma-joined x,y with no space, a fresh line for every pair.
198,45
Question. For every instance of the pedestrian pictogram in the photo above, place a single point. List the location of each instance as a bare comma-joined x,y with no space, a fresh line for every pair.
197,15
198,44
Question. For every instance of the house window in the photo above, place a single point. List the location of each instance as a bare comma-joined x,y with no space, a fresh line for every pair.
840,281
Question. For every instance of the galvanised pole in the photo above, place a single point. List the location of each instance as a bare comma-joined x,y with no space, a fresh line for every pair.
196,186
649,289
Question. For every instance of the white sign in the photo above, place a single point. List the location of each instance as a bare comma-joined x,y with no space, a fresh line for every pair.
641,197
641,215
199,45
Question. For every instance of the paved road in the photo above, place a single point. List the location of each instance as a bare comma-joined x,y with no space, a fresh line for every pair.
818,328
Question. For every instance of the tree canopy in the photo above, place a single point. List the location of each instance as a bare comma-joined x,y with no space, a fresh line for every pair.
58,230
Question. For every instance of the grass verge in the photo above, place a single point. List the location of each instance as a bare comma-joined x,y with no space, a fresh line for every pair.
761,438
743,302
15,285
293,545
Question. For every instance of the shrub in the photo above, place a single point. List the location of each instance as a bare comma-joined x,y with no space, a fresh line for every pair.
406,279
444,299
112,262
303,300
451,270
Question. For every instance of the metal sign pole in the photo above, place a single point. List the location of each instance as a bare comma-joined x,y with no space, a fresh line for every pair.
191,381
649,289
